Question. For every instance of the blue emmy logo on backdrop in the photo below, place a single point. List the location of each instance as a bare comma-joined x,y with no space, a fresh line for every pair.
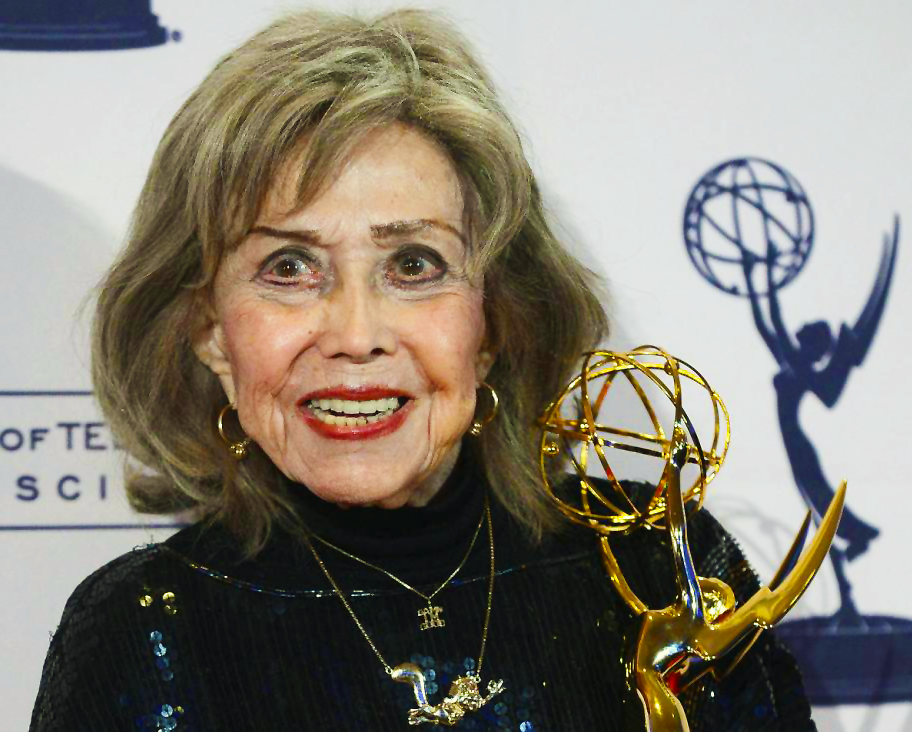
79,25
749,229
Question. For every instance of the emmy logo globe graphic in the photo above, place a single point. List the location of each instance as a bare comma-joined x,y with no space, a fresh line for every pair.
749,230
748,208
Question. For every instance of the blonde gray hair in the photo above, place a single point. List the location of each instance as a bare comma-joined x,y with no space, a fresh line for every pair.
331,79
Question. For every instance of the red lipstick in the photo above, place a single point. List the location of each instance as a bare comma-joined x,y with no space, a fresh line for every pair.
359,394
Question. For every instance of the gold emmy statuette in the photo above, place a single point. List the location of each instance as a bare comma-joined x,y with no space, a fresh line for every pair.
703,631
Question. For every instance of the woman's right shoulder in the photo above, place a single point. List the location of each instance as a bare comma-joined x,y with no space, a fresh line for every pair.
131,572
105,581
94,642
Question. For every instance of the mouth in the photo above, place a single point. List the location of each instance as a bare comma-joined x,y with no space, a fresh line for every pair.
361,413
353,412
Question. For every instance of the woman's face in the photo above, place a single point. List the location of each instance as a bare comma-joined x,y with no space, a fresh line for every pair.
348,334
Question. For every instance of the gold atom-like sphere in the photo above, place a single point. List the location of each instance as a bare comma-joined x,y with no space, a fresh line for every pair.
573,426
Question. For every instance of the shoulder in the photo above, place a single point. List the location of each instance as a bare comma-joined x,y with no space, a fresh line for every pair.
98,588
79,642
101,648
130,573
120,584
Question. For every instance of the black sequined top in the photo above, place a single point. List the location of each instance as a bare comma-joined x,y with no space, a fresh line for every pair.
186,636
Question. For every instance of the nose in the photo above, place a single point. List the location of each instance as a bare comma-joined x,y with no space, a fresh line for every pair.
357,325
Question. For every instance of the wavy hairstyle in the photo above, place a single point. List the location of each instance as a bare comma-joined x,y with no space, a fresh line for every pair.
318,82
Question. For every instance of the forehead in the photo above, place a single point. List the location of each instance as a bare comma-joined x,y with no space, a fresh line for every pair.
392,174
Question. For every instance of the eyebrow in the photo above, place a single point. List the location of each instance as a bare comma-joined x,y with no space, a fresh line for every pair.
378,231
399,228
305,236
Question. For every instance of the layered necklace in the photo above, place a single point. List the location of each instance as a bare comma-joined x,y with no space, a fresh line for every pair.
432,615
464,695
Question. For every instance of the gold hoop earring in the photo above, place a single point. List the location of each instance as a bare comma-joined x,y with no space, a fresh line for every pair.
479,424
238,449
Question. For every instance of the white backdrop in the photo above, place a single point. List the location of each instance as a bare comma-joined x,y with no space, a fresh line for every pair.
624,107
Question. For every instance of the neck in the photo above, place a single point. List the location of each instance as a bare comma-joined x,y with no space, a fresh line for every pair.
451,510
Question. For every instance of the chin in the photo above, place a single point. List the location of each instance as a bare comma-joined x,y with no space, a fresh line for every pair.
389,502
363,488
352,474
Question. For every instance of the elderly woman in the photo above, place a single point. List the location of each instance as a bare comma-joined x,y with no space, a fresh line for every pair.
339,267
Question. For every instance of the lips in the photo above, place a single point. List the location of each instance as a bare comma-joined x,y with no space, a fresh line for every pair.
346,413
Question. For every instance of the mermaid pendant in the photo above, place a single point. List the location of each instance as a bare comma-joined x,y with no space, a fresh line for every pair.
464,696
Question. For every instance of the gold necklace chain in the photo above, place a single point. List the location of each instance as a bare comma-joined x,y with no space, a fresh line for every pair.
464,694
432,616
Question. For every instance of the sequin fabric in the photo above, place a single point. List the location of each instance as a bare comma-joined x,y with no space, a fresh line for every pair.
265,645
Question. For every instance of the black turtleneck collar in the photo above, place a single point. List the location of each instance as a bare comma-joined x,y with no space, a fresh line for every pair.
418,544
402,533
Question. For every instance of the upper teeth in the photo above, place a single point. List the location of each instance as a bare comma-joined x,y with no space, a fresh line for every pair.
349,406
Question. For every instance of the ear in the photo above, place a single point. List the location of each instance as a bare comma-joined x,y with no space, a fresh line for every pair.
209,346
487,353
484,360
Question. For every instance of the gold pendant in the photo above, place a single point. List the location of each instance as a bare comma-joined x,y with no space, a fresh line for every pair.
431,617
463,697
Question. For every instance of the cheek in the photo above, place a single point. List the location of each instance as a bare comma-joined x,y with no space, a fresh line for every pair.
262,343
452,338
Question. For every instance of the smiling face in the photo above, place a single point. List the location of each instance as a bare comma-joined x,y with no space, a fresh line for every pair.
348,333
